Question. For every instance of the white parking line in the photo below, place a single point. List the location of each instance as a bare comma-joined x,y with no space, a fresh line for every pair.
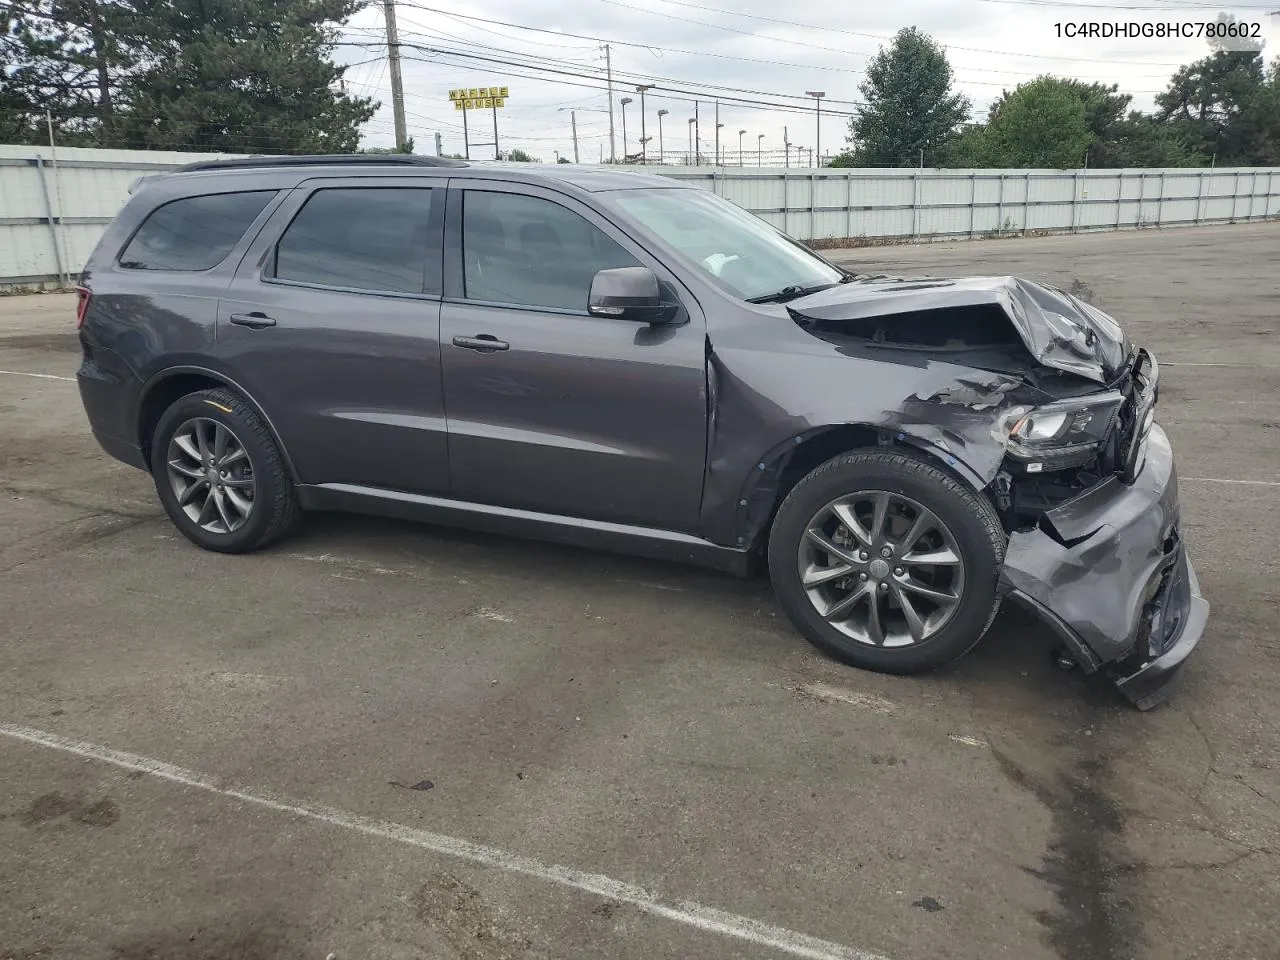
1256,483
38,376
1191,363
681,911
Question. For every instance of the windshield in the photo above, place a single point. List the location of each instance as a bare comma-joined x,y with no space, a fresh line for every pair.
744,254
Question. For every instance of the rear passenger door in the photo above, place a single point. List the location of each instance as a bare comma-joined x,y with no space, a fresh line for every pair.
333,323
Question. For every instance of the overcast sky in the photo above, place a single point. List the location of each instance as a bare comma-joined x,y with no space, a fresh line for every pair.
690,45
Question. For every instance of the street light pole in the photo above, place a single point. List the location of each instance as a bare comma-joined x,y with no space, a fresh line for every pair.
661,114
817,106
697,137
718,126
624,101
759,150
644,140
692,122
740,133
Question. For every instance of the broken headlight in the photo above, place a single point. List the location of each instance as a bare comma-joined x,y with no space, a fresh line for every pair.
1061,435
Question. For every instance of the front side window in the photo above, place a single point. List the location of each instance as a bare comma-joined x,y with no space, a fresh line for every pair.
744,254
195,233
363,238
532,252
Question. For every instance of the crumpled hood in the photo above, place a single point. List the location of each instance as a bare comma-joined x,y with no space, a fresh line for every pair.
1059,330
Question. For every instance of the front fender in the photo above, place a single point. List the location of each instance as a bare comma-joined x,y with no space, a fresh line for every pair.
768,405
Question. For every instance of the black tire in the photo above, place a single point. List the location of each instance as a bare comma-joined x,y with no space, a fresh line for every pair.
275,504
972,522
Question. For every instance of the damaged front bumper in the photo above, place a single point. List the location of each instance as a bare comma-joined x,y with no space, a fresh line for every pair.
1108,572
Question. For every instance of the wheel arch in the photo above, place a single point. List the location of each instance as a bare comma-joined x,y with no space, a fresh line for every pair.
779,470
167,386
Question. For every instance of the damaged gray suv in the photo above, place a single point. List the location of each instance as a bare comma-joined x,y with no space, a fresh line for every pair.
618,361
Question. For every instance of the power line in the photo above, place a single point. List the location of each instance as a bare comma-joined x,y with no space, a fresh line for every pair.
670,92
826,28
780,63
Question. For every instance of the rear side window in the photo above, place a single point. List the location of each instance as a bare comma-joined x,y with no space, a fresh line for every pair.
195,233
380,239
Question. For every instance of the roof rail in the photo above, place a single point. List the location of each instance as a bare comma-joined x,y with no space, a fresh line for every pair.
340,159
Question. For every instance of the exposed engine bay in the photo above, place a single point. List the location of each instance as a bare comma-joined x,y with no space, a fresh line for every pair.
1065,401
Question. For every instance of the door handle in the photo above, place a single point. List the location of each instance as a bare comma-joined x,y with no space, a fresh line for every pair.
484,342
254,321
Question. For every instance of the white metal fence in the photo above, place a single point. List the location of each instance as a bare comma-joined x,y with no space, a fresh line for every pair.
53,209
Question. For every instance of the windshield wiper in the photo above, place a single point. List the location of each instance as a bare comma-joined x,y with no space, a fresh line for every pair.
789,293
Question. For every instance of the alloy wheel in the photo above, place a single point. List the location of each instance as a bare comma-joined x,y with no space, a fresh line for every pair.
211,475
881,568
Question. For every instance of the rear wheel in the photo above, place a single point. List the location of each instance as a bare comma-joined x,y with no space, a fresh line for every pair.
220,475
887,562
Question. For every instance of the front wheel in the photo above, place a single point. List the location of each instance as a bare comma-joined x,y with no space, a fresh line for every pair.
220,475
886,562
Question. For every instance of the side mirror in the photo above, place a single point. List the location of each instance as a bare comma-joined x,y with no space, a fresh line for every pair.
629,293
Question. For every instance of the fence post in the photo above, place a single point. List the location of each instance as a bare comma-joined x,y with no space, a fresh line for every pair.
1235,196
786,207
1000,207
973,203
848,205
1199,196
1026,203
1075,199
1119,197
53,229
1160,202
915,204
813,205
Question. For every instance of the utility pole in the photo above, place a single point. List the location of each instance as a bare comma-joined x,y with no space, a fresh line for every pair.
817,105
397,83
786,146
573,121
439,144
697,137
608,67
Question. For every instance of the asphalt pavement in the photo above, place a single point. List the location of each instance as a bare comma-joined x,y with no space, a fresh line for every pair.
383,740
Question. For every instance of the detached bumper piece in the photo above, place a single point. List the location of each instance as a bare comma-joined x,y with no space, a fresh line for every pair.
1109,574
1173,623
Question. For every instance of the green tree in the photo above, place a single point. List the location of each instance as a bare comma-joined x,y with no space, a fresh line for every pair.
228,75
910,103
1143,141
518,156
407,148
1041,123
242,76
64,59
1224,106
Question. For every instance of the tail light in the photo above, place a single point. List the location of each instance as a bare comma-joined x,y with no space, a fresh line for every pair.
84,295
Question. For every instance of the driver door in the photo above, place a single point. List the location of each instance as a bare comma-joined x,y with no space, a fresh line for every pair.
547,407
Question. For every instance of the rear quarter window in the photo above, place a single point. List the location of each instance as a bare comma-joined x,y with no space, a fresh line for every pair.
194,233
